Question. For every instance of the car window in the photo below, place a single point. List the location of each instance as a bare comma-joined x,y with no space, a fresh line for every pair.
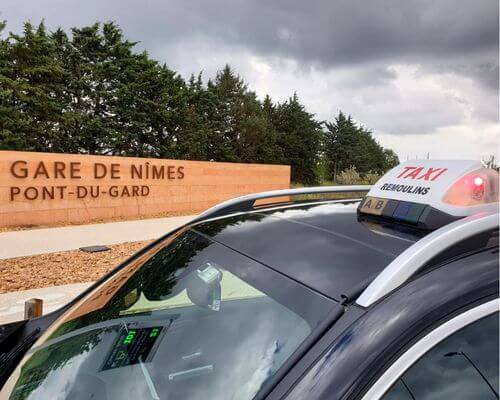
463,366
399,392
196,320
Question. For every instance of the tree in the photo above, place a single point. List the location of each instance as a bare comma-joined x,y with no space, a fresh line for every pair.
147,108
97,59
31,86
228,93
390,159
8,113
193,139
238,128
349,145
299,138
341,142
258,140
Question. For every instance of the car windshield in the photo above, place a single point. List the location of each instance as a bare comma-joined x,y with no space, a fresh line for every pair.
189,319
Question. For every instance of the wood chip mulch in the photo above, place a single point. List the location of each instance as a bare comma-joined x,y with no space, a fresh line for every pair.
62,268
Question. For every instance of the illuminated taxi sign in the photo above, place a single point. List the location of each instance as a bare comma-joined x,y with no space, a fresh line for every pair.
457,188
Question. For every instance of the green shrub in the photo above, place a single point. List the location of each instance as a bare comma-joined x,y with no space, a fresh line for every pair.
349,176
371,177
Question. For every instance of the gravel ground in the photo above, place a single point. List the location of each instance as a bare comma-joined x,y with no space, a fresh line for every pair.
62,268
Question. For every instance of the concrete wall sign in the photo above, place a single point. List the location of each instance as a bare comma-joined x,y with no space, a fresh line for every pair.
40,188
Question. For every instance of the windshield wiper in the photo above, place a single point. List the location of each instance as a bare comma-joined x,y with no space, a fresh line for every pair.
149,381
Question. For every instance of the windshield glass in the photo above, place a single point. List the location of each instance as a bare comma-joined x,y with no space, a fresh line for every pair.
190,319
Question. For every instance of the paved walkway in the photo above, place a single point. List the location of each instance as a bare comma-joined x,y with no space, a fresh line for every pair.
12,304
50,240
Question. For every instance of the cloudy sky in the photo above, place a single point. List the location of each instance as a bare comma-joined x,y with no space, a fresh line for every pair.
422,74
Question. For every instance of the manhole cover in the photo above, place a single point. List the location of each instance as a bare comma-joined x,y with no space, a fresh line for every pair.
94,249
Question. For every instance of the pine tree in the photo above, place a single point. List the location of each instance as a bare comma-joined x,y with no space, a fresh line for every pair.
147,108
340,144
31,85
192,139
228,92
390,159
299,137
97,59
348,145
258,140
8,112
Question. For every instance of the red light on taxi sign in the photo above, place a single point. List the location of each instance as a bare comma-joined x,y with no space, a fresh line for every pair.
478,181
479,187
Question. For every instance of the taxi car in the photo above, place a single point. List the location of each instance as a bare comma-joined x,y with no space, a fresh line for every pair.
389,292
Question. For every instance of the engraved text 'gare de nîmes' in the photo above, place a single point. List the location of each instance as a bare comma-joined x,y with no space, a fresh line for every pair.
72,171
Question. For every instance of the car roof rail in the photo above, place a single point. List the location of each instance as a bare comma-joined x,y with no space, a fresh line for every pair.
410,261
247,203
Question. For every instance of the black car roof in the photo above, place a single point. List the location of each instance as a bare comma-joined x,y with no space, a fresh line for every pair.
323,246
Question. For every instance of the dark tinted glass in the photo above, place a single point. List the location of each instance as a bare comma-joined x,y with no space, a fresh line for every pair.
398,392
464,366
324,246
193,320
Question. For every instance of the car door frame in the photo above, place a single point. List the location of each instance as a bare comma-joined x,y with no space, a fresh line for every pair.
425,344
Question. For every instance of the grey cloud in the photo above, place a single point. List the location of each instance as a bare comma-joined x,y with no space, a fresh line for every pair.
324,33
481,67
344,31
367,76
350,32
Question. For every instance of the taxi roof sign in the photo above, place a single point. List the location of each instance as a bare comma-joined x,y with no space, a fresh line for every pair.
455,187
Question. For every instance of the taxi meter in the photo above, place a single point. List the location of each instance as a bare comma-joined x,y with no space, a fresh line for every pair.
432,193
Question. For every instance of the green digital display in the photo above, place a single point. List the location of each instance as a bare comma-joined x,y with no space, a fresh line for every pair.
154,332
133,346
130,337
